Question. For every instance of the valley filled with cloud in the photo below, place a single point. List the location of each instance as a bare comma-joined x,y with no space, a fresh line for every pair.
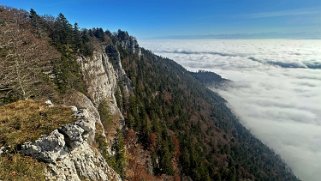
275,90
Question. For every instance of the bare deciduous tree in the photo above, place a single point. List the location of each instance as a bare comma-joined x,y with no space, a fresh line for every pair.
25,59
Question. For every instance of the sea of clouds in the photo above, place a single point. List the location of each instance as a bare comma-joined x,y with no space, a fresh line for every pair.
276,90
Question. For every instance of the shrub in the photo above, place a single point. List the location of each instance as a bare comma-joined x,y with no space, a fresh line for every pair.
105,115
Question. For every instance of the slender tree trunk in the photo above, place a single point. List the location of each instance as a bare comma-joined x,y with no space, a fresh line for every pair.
20,81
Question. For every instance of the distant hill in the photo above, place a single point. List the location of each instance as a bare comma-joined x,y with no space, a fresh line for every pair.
209,78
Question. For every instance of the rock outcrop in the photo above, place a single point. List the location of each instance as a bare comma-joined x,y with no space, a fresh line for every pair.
46,149
68,152
82,163
128,42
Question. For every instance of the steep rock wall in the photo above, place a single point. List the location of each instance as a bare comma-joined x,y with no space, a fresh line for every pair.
102,76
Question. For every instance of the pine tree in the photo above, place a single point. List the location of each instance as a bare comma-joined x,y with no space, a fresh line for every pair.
34,18
62,33
77,39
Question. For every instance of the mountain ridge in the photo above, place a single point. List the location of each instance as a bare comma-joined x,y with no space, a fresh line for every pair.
140,104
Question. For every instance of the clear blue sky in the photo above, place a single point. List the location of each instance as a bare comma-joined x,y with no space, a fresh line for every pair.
168,18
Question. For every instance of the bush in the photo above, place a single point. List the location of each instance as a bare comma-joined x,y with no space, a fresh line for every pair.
105,115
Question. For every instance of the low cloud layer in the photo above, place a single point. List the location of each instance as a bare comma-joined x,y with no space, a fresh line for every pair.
276,90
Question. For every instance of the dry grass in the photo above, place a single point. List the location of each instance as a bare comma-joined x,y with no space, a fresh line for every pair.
23,121
18,167
28,120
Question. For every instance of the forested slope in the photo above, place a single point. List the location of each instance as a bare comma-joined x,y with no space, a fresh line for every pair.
170,103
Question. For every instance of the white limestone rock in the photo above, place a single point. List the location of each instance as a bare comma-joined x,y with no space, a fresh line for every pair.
102,77
49,103
86,120
73,135
82,162
2,150
74,109
46,149
99,76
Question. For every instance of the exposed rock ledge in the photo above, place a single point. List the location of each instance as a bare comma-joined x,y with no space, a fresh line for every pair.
68,151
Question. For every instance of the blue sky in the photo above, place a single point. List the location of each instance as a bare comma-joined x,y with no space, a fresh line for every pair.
189,18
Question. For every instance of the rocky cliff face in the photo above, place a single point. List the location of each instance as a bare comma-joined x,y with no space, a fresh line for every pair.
114,57
70,151
100,78
102,73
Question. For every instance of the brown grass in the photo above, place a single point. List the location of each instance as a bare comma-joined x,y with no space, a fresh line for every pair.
28,120
18,167
24,121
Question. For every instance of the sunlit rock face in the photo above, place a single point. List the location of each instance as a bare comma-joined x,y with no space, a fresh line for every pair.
67,150
100,78
275,90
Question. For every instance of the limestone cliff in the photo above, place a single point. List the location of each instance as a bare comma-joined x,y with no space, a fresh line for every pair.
71,152
103,73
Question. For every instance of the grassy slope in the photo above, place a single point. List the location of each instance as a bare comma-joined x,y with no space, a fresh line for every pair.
28,120
24,121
